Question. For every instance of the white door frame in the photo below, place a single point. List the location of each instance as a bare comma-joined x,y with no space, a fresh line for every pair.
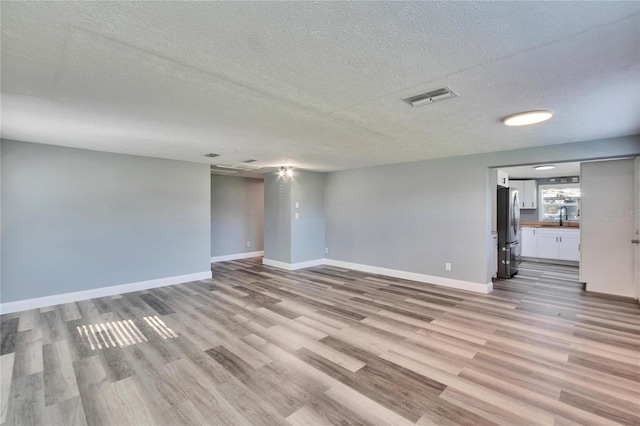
637,231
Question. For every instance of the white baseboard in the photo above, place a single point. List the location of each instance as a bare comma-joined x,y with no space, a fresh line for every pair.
237,256
412,276
293,266
58,299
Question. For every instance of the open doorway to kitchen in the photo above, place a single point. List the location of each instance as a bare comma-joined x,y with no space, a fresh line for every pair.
550,197
600,249
541,222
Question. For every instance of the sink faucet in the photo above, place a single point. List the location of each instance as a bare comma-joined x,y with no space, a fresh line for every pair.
566,215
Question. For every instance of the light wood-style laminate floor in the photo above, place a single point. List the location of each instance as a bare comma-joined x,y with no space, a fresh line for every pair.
262,346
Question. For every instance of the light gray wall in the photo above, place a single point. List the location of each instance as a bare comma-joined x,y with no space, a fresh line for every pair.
307,232
287,239
608,223
0,220
417,216
75,220
529,215
277,218
237,215
410,217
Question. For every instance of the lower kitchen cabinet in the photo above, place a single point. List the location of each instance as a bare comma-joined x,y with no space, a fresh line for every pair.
529,242
570,245
561,244
548,245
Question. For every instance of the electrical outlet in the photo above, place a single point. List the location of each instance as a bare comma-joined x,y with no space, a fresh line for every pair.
297,205
297,215
248,243
326,249
447,266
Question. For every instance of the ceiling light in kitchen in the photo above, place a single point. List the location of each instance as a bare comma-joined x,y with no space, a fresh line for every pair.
545,167
285,171
526,118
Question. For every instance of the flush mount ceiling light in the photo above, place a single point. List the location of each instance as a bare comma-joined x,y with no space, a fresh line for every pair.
285,171
526,118
545,167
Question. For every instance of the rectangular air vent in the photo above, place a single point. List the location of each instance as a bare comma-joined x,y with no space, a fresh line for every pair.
430,97
212,155
233,168
241,166
223,171
249,161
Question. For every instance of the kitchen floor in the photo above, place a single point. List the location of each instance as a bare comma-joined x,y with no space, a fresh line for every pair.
257,345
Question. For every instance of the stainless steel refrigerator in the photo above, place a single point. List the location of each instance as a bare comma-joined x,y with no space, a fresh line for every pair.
509,248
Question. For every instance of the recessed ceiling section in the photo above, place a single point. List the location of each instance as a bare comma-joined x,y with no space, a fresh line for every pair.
316,85
529,172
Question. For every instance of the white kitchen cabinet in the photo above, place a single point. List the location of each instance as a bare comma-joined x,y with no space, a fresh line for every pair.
570,245
494,247
561,244
529,242
502,178
548,244
530,195
527,193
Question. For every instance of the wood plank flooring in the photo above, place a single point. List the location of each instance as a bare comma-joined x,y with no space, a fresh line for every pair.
261,346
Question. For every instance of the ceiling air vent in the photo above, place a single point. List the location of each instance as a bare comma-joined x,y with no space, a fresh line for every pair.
223,170
430,97
229,169
249,161
242,166
212,155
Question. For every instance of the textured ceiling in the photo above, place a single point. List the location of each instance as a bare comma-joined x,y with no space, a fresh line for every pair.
316,85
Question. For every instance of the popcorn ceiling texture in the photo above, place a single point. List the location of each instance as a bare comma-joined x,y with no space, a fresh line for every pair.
316,85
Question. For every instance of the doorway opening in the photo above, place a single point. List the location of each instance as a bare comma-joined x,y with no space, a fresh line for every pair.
578,214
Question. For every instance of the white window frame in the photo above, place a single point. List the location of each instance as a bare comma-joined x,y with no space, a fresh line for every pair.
540,198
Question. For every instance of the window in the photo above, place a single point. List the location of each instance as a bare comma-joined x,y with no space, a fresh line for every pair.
554,197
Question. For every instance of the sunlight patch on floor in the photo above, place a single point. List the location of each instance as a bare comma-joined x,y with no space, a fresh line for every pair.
122,333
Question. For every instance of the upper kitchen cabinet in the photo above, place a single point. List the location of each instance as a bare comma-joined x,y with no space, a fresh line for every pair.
527,193
530,199
502,178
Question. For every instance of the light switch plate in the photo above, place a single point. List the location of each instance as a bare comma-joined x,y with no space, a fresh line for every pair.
297,215
297,205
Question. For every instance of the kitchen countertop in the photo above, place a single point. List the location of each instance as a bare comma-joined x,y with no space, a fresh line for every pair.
571,224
